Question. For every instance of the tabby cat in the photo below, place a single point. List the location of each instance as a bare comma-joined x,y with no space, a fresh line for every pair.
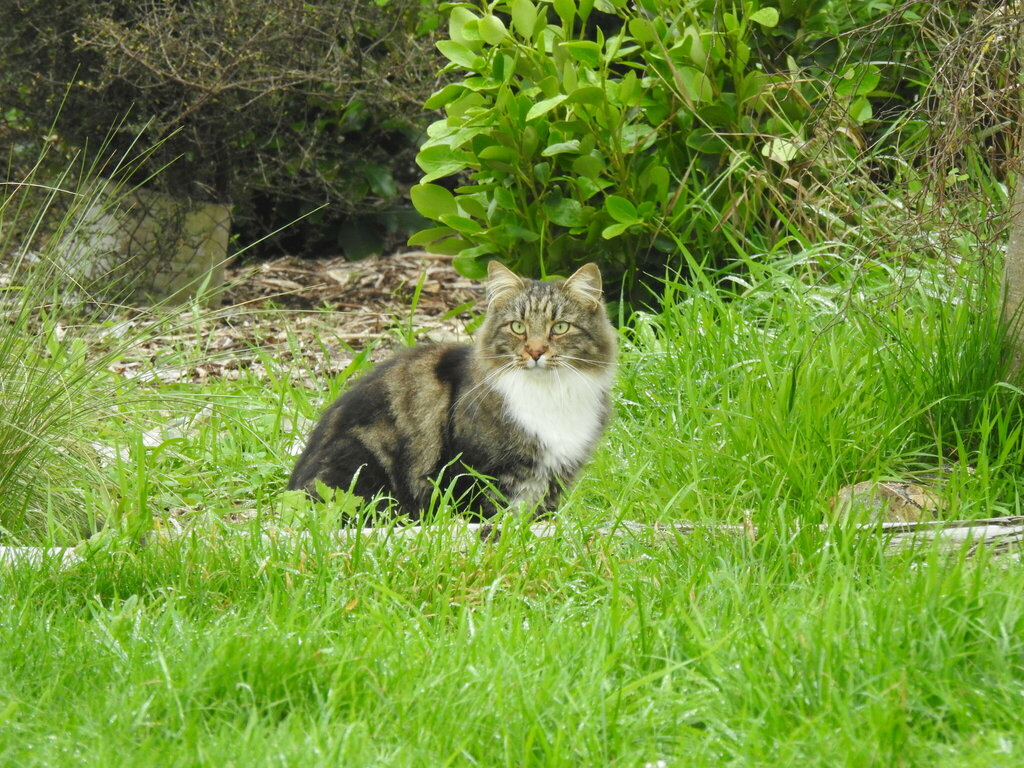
517,413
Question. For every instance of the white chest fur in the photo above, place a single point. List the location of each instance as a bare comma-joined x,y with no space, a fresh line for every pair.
563,409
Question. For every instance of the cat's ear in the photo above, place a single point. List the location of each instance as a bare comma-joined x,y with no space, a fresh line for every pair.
502,282
585,285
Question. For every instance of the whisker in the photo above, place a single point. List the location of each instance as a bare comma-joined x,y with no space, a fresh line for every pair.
482,385
462,400
589,383
583,359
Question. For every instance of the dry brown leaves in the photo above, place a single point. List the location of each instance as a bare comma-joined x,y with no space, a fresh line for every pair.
305,318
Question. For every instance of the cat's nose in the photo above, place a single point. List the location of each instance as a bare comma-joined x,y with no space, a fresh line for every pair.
535,351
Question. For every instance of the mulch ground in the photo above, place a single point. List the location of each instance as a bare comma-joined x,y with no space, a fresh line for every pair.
307,317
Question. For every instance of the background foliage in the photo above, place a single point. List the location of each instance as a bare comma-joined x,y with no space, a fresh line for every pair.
679,133
686,133
276,107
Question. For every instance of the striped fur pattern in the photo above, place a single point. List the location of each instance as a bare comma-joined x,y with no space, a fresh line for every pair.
509,420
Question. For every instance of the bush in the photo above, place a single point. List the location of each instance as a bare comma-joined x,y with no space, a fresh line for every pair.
276,107
642,135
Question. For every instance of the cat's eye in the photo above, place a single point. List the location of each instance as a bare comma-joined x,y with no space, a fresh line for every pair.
518,327
559,328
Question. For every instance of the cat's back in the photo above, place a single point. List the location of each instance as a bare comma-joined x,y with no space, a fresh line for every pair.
413,384
421,383
394,416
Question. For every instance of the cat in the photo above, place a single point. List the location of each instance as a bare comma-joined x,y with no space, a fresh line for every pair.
505,422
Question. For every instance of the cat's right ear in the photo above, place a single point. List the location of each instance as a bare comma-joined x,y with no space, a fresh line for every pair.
502,282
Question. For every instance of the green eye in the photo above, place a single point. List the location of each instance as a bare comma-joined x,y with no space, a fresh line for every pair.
518,326
559,328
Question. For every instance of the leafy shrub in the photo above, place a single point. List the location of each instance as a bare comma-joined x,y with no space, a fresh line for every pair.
661,132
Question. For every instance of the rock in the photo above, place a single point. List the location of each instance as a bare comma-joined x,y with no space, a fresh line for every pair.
887,501
146,247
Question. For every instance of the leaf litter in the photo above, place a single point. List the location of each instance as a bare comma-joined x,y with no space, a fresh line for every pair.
306,319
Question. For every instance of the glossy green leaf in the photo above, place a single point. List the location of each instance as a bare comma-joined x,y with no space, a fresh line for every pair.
472,204
530,140
781,150
621,209
461,224
433,201
695,84
524,17
742,53
459,17
427,236
459,54
503,67
503,198
697,52
570,78
472,266
566,10
766,17
629,90
656,180
519,232
706,142
860,110
565,211
381,181
441,160
463,104
442,97
642,30
587,94
637,137
492,30
584,51
859,80
545,105
562,147
498,152
589,166
588,187
754,85
449,247
614,230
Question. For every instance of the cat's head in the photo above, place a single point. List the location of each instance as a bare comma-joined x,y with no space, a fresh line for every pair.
533,325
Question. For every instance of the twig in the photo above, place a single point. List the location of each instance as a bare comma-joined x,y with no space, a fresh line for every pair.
997,534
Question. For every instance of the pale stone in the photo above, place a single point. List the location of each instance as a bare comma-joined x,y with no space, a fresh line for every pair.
147,247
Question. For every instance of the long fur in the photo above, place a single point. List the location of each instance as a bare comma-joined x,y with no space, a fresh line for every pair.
523,406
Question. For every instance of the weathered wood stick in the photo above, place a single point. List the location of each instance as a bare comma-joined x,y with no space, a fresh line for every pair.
997,532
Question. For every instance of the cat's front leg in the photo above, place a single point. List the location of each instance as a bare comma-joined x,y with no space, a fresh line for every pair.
549,504
538,497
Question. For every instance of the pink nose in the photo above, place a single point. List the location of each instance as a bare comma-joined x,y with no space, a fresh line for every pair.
536,352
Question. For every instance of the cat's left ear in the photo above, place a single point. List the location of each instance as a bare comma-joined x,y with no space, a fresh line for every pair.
585,284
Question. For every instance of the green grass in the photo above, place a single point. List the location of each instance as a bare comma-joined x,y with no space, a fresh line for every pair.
57,399
225,647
